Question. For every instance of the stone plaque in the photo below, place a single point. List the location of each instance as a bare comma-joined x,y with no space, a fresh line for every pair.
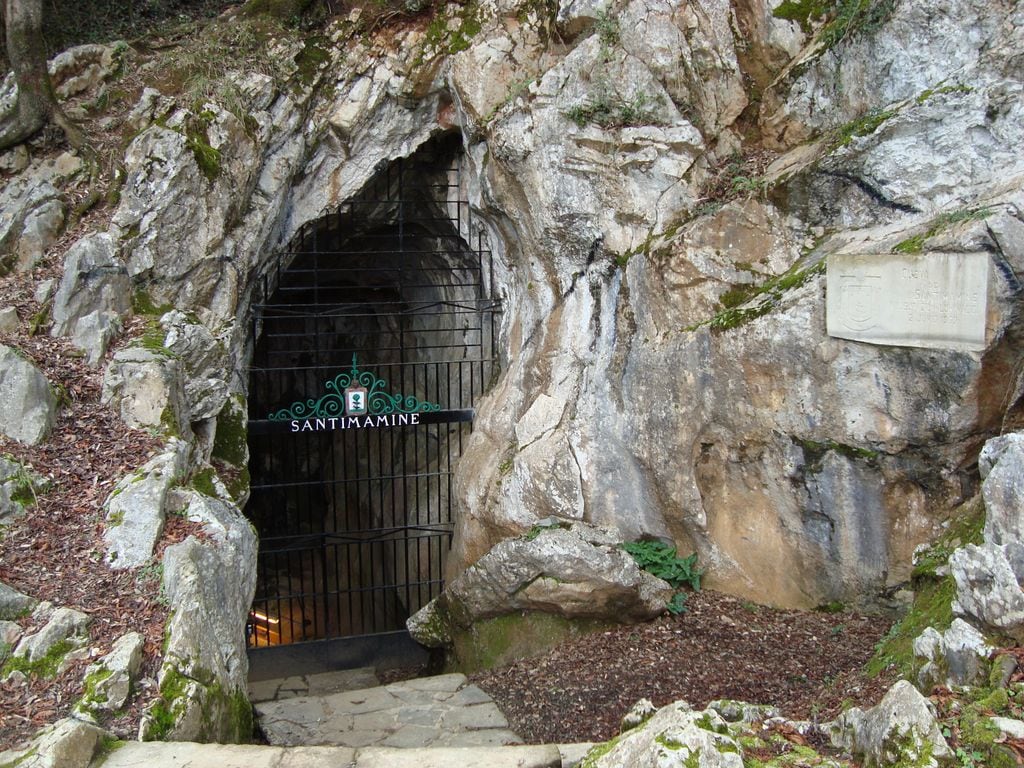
936,300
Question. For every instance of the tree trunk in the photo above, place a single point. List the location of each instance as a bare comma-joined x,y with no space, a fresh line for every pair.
36,103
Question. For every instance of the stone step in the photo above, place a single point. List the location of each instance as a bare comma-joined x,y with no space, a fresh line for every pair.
441,711
319,684
187,755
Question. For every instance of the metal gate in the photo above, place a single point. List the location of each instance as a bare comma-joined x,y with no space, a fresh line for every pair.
373,337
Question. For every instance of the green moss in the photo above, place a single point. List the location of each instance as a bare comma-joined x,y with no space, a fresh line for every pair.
499,640
143,304
21,760
230,441
707,723
668,742
169,422
240,716
913,244
803,12
116,519
91,696
939,224
207,157
942,90
107,746
815,451
311,59
45,667
862,126
591,759
966,527
932,607
445,38
202,481
767,295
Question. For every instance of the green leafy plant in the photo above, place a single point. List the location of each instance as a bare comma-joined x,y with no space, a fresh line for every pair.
677,604
662,560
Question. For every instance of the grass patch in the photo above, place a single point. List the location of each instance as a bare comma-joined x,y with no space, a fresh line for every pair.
613,111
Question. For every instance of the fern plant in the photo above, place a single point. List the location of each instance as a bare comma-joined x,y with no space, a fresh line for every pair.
663,561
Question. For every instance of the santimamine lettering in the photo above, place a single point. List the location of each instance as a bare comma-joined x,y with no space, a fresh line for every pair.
355,422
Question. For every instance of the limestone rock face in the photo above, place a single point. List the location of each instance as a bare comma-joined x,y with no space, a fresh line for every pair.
28,404
146,387
31,211
676,737
137,508
94,293
210,584
901,730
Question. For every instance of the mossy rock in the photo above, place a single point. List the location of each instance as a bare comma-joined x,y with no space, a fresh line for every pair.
500,640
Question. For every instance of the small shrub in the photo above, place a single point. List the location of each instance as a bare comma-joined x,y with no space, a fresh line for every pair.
662,561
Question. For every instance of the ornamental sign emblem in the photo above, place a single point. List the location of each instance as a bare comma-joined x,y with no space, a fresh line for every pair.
354,399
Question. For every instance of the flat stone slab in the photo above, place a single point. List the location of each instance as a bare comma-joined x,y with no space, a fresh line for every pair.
320,684
440,711
155,754
187,755
934,300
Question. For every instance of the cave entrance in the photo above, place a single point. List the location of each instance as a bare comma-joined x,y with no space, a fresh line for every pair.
373,337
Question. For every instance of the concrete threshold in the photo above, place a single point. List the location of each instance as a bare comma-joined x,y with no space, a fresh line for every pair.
188,755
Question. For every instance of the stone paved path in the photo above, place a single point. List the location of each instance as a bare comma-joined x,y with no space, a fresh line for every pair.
442,711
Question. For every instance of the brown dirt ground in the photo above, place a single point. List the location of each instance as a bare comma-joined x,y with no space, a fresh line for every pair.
808,664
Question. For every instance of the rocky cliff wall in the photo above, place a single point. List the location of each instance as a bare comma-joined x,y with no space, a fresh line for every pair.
662,184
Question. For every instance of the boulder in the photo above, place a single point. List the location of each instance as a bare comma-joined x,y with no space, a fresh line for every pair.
958,656
68,743
900,730
575,573
94,292
84,67
14,604
28,404
18,488
137,507
8,319
1001,463
31,211
63,625
145,387
988,586
108,681
209,585
675,737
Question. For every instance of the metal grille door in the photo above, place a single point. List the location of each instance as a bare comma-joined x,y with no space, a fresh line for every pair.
373,341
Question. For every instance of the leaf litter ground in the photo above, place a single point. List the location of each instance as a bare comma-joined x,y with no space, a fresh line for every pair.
808,664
